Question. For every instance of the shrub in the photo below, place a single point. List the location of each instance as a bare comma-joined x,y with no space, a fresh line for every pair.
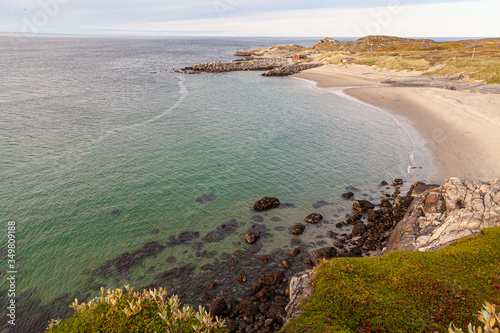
146,311
487,316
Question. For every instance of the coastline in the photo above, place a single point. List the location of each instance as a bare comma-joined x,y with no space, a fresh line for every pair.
460,129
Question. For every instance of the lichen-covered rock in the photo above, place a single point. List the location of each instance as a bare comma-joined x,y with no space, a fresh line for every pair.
300,288
439,216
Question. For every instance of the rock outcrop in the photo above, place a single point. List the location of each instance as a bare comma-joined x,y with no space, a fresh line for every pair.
300,288
439,216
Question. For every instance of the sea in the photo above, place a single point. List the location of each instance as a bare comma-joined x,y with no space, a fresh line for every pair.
105,148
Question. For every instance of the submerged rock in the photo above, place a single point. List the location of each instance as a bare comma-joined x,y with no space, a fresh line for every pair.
206,198
221,232
320,204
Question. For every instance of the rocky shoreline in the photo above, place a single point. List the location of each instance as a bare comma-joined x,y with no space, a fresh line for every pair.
257,292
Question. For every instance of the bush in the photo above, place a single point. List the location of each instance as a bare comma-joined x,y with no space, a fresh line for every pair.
487,316
149,311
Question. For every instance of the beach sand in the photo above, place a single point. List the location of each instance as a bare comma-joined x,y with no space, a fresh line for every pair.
460,129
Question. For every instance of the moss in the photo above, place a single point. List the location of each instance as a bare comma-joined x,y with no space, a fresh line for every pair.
405,291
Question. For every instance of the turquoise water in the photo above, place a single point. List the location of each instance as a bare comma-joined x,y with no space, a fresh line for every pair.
89,126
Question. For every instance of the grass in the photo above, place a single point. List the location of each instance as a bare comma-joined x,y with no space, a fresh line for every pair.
405,291
393,62
478,60
485,70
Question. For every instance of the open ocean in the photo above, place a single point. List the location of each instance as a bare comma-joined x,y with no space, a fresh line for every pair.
104,148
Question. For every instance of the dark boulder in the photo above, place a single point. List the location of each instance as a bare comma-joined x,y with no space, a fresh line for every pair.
252,237
348,195
244,308
294,252
317,256
266,203
287,263
298,229
242,277
219,308
362,205
397,181
385,203
403,202
273,278
313,218
359,229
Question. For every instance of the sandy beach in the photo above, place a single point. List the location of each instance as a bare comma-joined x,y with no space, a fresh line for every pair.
461,129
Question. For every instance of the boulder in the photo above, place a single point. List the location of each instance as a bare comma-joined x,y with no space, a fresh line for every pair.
347,195
244,308
242,277
397,182
359,229
273,278
362,205
252,237
385,203
219,308
317,256
266,203
287,263
294,252
298,229
418,188
313,218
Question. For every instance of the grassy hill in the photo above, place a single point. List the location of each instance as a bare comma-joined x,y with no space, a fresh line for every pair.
405,291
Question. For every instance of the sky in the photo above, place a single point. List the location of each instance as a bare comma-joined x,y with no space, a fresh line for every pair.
294,18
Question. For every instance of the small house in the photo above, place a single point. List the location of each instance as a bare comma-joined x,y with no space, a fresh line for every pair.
300,56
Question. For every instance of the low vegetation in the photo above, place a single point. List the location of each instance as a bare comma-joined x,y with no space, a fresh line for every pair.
140,312
476,60
405,291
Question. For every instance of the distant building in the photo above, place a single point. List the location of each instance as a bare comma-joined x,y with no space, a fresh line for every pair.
300,56
352,52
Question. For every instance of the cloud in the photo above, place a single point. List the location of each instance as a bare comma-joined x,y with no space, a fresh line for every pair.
463,19
258,17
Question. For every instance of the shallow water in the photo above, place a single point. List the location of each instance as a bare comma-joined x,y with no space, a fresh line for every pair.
104,148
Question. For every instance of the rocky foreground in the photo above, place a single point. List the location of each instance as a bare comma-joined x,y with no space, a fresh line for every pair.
436,218
428,217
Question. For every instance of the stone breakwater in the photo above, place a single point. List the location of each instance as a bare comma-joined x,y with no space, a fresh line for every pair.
274,66
237,65
290,69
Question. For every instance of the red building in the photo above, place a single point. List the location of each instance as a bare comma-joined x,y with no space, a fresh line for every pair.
300,56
